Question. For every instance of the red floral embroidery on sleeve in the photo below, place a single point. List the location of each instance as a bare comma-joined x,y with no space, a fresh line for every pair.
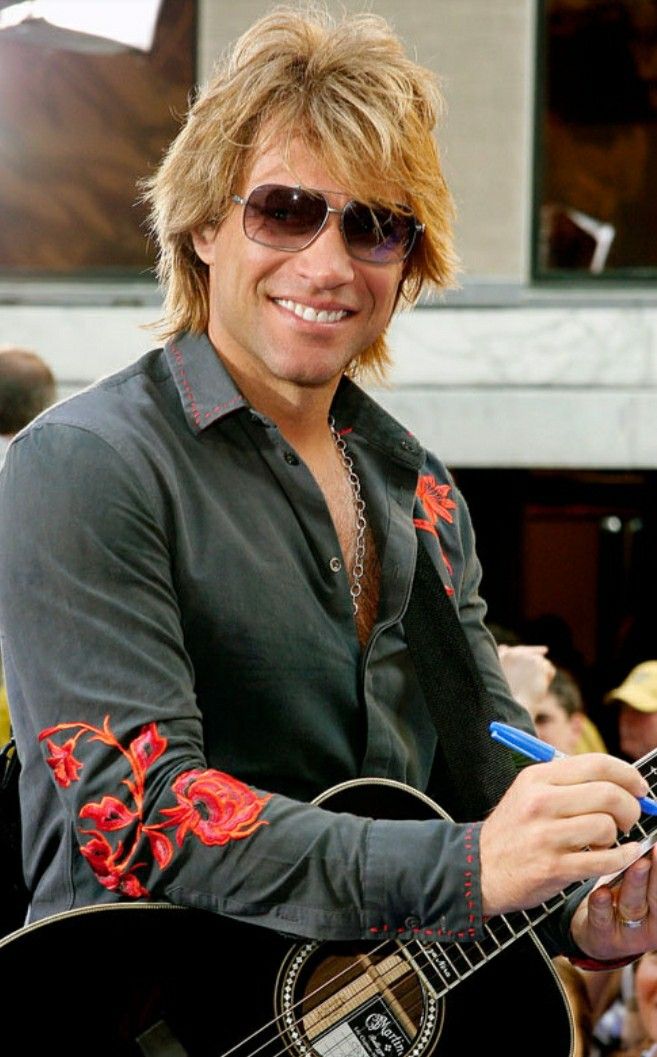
214,807
64,765
438,506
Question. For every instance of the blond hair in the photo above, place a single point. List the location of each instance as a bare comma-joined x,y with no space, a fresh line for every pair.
346,89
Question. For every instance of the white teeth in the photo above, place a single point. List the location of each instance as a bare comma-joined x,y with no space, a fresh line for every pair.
311,314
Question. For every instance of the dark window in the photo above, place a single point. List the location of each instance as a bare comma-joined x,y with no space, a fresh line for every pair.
569,562
596,164
78,129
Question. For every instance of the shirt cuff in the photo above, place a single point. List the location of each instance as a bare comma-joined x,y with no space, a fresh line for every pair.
423,880
593,965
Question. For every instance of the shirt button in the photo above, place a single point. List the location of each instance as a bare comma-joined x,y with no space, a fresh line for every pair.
290,458
335,565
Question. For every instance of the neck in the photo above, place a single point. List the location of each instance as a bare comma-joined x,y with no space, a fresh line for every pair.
301,412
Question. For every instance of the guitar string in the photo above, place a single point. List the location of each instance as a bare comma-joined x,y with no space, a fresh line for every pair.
397,946
281,1017
428,961
280,1020
421,948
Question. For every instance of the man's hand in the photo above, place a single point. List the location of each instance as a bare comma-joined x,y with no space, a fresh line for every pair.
599,926
556,824
528,672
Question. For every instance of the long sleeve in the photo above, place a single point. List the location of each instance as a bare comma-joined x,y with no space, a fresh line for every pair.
118,798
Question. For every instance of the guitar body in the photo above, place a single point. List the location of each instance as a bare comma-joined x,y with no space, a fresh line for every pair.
153,980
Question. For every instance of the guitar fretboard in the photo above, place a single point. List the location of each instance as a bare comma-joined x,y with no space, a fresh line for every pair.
446,965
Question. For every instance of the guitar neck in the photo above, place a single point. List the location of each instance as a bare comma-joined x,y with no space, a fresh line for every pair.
446,965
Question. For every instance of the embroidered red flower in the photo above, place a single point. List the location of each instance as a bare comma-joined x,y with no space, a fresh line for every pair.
435,499
437,505
100,856
114,868
215,807
64,765
148,746
109,872
160,846
109,814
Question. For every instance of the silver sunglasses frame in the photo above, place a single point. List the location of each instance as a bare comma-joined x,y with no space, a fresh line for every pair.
417,229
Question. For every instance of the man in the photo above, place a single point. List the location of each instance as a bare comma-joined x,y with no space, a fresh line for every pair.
27,387
559,715
215,552
636,699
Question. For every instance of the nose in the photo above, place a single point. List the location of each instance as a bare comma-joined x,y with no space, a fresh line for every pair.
326,261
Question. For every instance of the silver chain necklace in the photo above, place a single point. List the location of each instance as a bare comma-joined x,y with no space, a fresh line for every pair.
356,587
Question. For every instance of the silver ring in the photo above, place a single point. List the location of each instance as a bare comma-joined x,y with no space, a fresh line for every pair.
633,923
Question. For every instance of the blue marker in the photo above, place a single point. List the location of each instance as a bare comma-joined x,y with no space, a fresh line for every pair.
535,749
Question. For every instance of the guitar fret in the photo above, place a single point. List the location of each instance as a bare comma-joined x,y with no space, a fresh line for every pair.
462,966
444,966
475,953
499,929
437,967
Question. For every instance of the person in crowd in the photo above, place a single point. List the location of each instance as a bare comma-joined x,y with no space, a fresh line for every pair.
549,691
27,387
636,701
560,718
638,1026
207,591
528,670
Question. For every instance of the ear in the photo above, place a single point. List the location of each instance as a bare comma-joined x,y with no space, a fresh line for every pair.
577,724
203,240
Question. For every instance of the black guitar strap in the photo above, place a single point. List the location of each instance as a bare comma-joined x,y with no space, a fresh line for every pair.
470,771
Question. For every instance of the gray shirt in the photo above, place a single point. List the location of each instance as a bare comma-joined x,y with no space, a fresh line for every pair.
183,669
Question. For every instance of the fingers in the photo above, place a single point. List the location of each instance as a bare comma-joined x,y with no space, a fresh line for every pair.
559,823
604,809
600,767
620,918
632,898
566,789
522,650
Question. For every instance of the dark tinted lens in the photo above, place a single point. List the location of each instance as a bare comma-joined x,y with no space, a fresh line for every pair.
283,217
376,234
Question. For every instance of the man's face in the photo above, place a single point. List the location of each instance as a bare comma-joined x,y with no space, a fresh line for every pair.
637,732
257,293
554,725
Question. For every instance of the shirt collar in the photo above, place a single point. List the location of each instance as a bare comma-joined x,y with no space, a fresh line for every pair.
206,390
208,393
354,410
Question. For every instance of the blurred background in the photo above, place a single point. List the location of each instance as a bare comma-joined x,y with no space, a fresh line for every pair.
535,381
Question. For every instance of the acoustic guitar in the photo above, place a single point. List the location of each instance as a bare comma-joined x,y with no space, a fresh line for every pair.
155,980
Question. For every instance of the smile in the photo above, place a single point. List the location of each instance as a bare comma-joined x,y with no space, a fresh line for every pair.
312,315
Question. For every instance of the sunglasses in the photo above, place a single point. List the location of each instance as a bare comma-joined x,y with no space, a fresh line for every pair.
290,218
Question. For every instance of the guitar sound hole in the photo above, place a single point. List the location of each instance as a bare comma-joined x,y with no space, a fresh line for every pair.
342,1001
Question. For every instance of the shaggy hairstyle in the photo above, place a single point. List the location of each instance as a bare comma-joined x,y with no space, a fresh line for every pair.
567,692
346,89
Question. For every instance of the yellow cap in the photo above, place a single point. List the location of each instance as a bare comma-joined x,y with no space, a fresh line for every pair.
639,689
